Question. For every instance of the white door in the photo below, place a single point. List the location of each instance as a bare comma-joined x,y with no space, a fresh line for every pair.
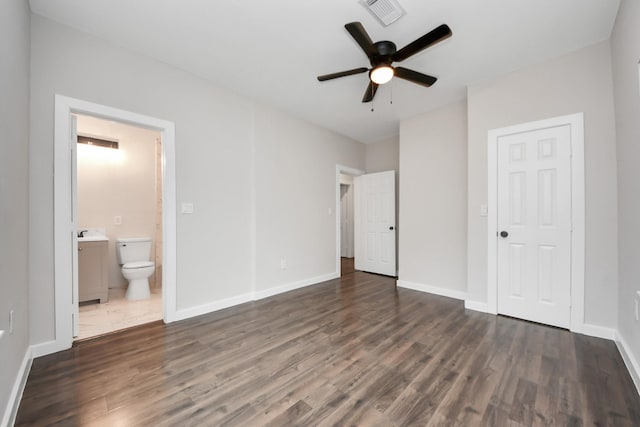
73,147
375,223
534,225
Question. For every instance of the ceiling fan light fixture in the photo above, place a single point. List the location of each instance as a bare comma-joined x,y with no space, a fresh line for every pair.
381,74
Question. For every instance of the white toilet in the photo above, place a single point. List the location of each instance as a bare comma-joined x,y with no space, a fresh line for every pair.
133,255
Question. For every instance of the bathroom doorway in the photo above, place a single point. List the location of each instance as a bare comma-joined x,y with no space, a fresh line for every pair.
118,196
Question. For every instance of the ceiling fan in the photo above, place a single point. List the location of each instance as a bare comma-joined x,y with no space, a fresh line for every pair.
383,53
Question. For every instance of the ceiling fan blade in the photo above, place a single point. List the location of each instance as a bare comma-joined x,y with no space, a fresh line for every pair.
414,76
360,35
342,74
370,92
432,37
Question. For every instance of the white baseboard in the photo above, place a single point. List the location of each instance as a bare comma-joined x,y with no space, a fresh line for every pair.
293,286
598,331
450,293
629,360
45,348
198,310
482,307
10,412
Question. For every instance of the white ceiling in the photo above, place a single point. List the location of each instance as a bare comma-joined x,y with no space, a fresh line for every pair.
272,51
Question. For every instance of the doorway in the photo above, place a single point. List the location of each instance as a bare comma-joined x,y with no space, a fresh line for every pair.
345,218
65,224
536,221
118,196
346,224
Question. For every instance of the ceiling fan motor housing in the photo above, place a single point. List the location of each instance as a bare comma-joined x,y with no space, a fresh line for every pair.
386,50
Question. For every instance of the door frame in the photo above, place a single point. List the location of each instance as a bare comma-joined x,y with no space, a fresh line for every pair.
576,124
346,170
63,267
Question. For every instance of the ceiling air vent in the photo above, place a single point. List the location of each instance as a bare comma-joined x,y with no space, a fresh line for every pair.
387,11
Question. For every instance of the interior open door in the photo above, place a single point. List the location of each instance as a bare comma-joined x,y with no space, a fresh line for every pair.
375,223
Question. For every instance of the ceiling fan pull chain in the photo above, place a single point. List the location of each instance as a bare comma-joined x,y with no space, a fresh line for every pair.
391,93
372,99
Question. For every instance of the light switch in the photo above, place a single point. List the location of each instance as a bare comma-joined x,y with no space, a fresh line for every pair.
187,208
117,220
484,210
329,211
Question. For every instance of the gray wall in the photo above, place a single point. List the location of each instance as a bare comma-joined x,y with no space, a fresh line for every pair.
218,136
383,156
14,189
578,82
295,188
625,52
433,199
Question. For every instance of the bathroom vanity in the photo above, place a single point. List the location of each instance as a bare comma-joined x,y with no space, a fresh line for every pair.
92,268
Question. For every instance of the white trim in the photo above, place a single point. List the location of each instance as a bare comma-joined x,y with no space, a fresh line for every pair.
629,360
340,169
44,348
476,306
293,286
576,122
64,107
10,412
212,306
450,293
252,296
598,331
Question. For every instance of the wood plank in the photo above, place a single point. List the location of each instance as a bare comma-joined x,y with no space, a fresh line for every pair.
351,351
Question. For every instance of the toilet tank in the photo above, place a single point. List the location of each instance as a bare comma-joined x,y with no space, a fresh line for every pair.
133,249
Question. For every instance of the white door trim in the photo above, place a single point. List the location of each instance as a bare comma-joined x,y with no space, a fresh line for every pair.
347,171
576,123
64,107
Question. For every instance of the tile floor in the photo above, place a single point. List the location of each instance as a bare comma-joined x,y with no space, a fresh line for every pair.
119,313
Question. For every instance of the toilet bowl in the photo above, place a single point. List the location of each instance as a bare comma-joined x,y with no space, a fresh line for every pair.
138,273
133,255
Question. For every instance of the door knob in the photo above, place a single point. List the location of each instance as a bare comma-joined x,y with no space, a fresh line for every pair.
503,234
391,228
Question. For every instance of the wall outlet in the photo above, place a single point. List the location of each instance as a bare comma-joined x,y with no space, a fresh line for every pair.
117,220
283,263
11,321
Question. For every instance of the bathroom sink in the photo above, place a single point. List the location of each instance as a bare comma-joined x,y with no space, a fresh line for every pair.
92,235
93,238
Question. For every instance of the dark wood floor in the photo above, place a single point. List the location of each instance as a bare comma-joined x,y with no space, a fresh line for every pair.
351,351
